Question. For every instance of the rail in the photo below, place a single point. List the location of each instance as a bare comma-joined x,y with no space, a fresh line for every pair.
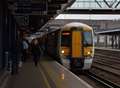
104,82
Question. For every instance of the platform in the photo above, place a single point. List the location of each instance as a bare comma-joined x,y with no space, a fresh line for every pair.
107,48
29,76
48,74
62,77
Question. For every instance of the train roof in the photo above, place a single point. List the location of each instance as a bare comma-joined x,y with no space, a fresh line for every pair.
77,24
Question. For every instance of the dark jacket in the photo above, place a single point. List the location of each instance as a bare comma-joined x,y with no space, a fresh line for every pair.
35,49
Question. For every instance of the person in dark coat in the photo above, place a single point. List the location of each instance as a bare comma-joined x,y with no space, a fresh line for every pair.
25,47
35,49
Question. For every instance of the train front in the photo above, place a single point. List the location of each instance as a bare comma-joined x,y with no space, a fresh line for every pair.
77,46
88,48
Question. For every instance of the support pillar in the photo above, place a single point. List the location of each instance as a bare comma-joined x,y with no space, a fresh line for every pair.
112,41
98,40
119,40
115,41
105,40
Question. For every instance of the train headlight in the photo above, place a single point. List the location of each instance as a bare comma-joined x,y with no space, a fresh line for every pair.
62,51
88,53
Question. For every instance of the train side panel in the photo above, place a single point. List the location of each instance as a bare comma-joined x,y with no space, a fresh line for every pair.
53,44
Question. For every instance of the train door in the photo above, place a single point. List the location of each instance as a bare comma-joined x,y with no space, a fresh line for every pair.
76,44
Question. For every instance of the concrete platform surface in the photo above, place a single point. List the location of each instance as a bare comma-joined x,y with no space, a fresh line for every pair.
60,77
48,74
29,76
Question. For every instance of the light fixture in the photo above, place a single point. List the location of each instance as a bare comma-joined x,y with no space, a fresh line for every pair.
62,51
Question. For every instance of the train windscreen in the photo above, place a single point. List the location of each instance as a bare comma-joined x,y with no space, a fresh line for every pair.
87,41
66,39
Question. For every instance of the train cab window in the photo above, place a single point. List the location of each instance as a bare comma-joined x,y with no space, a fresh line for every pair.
87,41
66,39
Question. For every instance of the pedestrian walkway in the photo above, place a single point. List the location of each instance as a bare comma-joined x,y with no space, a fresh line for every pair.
29,76
1,73
4,76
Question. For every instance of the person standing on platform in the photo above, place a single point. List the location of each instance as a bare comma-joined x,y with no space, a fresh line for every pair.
25,49
35,49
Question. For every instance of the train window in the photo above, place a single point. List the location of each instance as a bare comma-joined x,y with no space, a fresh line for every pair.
66,39
65,33
87,38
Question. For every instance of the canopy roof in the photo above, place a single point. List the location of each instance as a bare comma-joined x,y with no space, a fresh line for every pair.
89,16
96,4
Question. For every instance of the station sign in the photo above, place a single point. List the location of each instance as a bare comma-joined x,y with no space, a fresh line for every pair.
54,6
57,1
29,7
39,7
23,7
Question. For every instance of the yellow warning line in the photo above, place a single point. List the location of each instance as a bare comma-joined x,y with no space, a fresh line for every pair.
57,78
44,78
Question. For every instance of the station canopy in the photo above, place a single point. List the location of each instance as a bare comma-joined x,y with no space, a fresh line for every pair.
95,4
89,16
90,5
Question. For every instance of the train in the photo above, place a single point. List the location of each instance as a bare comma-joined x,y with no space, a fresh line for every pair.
72,44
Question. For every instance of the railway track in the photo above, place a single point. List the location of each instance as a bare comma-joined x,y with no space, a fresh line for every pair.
108,53
98,82
107,64
106,68
105,72
104,82
116,59
112,76
110,62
